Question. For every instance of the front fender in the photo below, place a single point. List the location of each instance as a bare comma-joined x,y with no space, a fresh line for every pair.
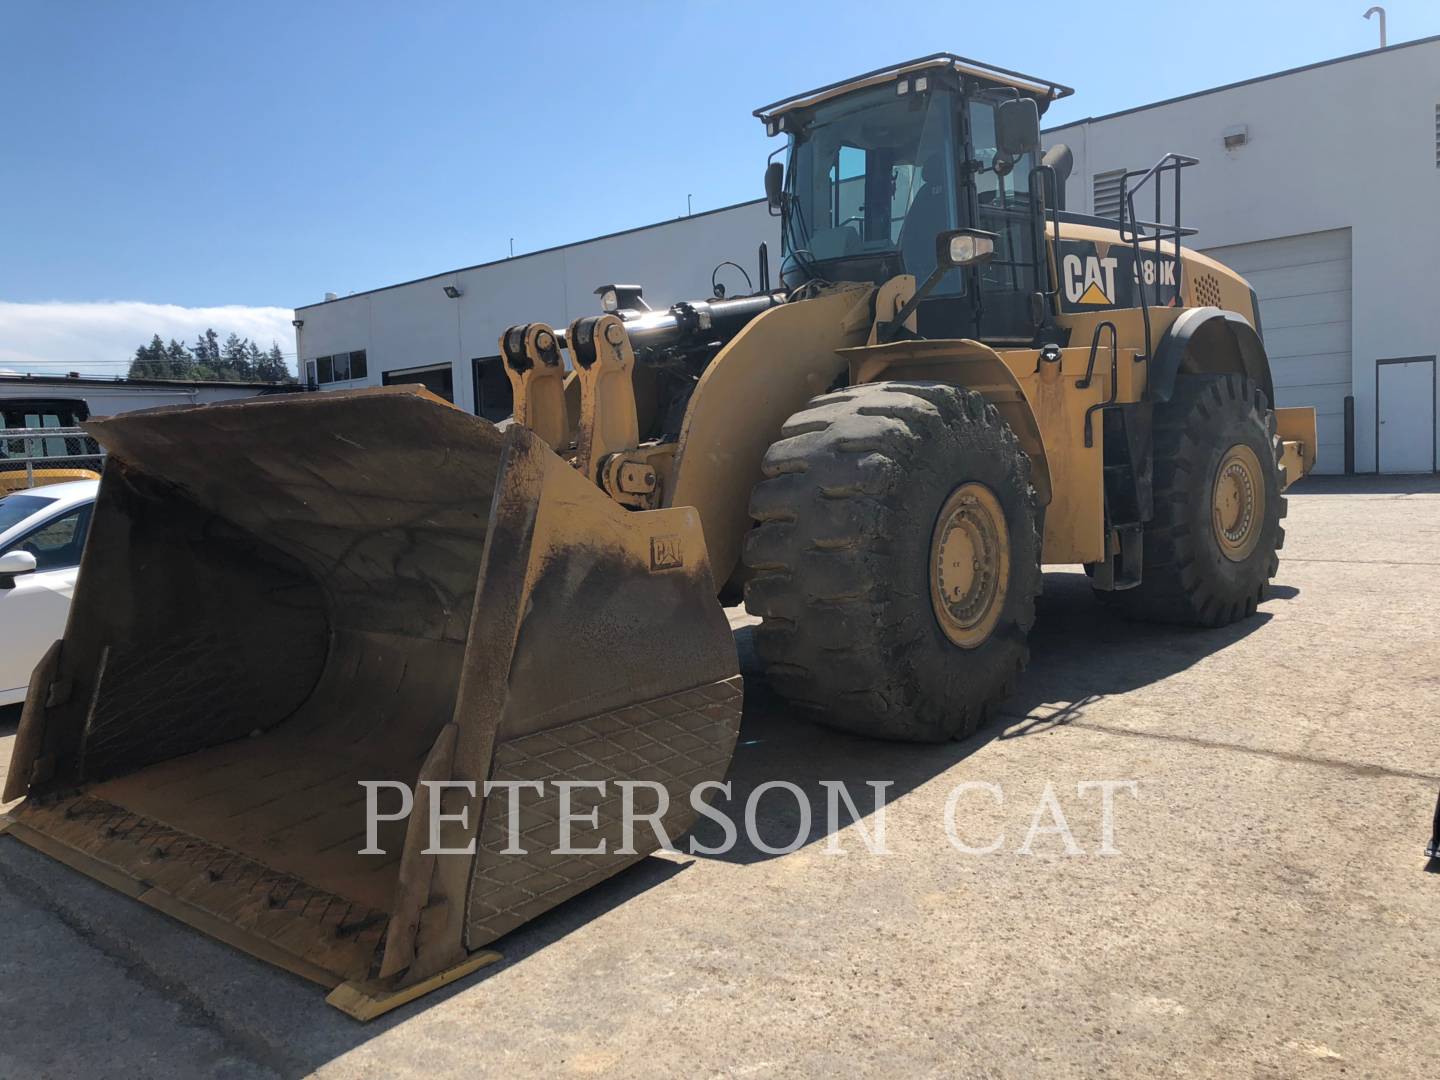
1209,340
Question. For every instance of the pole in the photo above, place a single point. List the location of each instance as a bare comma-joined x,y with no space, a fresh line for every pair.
1378,10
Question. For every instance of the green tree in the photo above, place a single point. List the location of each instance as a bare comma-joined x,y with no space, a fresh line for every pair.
207,351
234,359
149,361
180,364
274,368
237,359
254,361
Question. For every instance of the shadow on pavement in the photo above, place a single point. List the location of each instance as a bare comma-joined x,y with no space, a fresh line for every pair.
1080,653
279,1025
1368,484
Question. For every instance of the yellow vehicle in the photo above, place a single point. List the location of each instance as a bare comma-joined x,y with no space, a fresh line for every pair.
41,443
13,479
953,384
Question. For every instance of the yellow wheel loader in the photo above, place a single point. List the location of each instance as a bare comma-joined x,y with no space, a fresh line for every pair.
953,383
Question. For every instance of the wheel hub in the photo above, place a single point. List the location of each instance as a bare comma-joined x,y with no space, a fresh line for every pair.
1238,503
969,565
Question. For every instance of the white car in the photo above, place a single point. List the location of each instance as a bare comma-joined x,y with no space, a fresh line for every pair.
42,533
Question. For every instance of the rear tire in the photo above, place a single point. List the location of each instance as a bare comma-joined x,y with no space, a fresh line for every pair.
1211,547
864,494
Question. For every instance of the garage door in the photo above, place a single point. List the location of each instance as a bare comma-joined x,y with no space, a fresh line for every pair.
1304,287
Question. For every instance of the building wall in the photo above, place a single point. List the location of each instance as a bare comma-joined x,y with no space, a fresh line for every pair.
416,324
1347,145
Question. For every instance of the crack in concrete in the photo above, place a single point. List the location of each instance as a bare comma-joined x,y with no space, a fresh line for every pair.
1354,768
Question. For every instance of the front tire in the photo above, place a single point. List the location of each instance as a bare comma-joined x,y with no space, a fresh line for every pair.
895,562
1211,547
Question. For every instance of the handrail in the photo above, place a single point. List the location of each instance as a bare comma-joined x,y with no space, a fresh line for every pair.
1084,384
1049,189
40,433
1132,230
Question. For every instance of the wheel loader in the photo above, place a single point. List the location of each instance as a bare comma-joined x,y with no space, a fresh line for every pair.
952,383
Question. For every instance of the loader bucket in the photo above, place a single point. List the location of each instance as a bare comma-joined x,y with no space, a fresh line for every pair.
282,598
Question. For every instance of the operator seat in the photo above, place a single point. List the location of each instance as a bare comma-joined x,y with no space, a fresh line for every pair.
929,215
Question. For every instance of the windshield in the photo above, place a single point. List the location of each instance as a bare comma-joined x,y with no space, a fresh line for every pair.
872,175
16,508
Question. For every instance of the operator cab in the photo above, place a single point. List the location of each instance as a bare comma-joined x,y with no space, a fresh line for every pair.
880,165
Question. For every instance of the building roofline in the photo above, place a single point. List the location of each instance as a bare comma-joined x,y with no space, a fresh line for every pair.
9,378
1246,82
531,254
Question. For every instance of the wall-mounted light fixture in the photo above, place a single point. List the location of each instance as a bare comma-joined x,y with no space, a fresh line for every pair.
297,323
452,292
1235,136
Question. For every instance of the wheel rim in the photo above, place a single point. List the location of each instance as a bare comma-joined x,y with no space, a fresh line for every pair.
969,565
1238,503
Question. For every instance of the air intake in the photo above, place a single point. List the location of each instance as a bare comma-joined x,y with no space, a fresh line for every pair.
1105,191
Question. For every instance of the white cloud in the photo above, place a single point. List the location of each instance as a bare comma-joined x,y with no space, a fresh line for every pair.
100,337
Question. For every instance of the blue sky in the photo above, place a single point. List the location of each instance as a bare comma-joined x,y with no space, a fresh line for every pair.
257,154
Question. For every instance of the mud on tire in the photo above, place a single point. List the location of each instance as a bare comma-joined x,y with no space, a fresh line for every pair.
840,559
1186,578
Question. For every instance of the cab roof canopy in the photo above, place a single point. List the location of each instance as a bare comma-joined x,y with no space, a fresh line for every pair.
1043,90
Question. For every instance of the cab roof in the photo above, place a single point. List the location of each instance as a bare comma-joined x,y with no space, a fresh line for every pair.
1043,90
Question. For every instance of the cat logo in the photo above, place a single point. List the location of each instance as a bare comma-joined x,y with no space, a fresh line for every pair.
665,553
1097,274
1090,279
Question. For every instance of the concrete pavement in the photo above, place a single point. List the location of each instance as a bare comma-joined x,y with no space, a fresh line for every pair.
1267,914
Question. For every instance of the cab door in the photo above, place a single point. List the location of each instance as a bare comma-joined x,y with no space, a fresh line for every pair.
34,606
1005,205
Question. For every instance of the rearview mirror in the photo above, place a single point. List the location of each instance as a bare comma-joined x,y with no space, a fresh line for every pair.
1017,127
13,563
963,247
775,185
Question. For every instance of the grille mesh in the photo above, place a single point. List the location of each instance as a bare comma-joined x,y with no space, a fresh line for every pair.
1207,290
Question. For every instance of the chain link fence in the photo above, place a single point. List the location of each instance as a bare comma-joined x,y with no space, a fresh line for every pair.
30,457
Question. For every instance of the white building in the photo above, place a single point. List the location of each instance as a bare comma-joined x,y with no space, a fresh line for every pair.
444,331
1320,184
